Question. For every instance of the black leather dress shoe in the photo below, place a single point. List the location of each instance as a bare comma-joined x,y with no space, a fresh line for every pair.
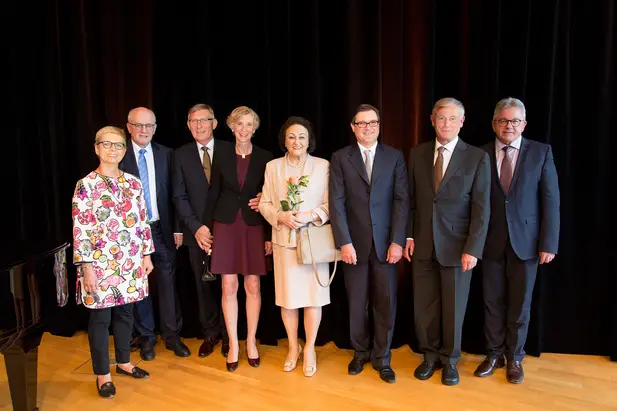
356,366
207,347
386,374
178,347
253,362
449,375
107,390
488,366
514,372
146,351
136,372
225,348
427,369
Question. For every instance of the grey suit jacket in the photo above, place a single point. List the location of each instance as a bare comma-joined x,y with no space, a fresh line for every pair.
529,214
454,220
363,213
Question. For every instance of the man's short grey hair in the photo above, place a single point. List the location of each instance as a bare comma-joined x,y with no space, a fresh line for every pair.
509,102
448,101
198,107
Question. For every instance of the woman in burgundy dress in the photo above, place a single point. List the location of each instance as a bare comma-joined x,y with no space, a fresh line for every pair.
241,243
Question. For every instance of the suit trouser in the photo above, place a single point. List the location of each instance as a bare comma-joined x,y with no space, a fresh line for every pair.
380,280
440,300
208,297
508,289
98,335
164,289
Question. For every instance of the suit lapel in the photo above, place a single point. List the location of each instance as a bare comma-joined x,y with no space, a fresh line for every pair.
457,159
428,159
158,168
519,161
130,164
355,158
377,163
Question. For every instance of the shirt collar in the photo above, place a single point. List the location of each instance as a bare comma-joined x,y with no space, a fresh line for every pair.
136,147
516,144
449,146
371,149
210,145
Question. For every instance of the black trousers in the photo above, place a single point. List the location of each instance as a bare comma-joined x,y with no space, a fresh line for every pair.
440,301
162,283
208,298
377,281
508,288
98,335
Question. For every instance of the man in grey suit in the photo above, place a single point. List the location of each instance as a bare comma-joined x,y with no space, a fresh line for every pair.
523,231
369,202
449,186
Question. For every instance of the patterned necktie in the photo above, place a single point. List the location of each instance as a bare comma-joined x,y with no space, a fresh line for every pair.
206,163
143,176
438,169
368,163
505,173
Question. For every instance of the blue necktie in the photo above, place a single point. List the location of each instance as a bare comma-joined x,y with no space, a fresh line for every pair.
143,175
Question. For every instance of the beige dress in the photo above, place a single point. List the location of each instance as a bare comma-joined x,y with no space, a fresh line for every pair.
295,284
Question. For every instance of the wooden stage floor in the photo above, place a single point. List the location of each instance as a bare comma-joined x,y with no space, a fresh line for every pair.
552,382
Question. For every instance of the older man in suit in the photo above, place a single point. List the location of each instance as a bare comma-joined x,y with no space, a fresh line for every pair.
369,202
192,170
523,231
449,186
152,163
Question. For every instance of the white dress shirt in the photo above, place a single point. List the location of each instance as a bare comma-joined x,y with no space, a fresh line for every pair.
447,153
210,150
151,177
500,153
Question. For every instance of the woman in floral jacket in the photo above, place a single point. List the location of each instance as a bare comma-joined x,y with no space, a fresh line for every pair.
112,244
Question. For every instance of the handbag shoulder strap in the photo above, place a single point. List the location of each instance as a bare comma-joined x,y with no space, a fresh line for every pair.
308,232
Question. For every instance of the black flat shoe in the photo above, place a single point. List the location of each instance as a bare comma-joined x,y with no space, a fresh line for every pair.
135,373
107,390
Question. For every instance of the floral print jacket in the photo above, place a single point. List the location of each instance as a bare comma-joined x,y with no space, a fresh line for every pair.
111,231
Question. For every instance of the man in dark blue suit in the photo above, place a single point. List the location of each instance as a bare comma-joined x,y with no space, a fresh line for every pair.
523,231
369,202
151,162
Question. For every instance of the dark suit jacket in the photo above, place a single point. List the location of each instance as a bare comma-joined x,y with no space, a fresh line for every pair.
529,214
190,186
455,219
162,170
226,195
363,213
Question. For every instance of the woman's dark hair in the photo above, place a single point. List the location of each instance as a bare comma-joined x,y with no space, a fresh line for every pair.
293,120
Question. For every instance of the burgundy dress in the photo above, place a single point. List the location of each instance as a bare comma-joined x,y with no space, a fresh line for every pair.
238,248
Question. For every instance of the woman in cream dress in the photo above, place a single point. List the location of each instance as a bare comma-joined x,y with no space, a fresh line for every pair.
295,284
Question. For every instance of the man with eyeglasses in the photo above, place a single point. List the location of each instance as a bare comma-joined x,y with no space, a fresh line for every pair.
369,202
192,170
152,163
523,231
449,186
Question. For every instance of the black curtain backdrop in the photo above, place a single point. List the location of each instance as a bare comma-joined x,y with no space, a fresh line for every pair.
73,66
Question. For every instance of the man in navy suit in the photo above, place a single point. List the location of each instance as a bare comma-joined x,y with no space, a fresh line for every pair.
369,202
151,162
523,231
449,186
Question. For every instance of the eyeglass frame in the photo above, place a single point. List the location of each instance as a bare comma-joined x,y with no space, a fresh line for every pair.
364,124
202,121
111,143
503,122
147,127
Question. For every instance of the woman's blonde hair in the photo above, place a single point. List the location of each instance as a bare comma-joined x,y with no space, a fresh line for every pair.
109,130
239,112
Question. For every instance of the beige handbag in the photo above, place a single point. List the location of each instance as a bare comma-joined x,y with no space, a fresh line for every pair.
315,245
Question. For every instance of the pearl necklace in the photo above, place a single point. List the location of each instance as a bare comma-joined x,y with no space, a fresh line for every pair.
300,164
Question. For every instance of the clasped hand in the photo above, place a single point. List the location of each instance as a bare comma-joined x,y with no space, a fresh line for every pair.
295,219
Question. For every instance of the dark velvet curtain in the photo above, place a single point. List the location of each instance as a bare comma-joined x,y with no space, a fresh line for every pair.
73,66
